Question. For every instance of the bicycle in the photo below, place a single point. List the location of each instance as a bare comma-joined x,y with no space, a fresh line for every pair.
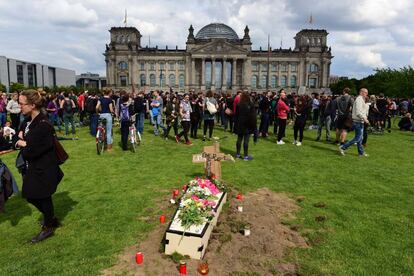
101,136
134,135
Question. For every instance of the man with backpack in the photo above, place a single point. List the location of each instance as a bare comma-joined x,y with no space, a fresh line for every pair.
67,105
140,109
125,112
90,106
343,106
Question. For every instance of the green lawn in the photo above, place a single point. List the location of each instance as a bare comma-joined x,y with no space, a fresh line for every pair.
370,209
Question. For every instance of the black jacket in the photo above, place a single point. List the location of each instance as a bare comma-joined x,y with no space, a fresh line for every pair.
43,173
244,118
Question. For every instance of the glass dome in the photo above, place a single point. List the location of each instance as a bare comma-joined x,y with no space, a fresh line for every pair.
216,30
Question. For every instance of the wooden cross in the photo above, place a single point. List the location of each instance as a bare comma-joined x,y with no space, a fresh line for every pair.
212,157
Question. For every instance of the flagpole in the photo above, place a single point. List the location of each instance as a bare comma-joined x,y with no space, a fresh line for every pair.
268,61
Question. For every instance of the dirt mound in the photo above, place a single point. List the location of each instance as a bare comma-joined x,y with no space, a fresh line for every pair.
229,251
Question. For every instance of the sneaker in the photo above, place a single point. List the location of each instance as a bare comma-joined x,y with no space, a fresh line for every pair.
364,155
177,138
299,144
280,142
247,158
294,142
341,151
204,138
238,156
188,143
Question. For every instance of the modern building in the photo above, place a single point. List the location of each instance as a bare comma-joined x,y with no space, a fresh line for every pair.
32,74
89,80
217,59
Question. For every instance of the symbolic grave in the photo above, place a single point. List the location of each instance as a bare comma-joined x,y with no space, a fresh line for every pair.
193,240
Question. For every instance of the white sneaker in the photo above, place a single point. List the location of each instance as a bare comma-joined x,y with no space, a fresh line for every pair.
299,144
341,151
280,142
294,142
364,155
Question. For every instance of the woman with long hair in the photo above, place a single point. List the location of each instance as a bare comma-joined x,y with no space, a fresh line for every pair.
209,116
301,111
245,124
42,173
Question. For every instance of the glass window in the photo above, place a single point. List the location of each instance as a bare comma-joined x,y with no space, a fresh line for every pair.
142,65
162,80
254,81
313,68
123,65
293,68
254,66
142,79
181,80
312,82
283,67
123,80
181,65
152,80
152,66
172,65
283,81
263,81
171,80
162,66
274,81
274,67
263,67
293,81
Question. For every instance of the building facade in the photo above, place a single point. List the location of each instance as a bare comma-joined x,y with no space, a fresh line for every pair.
33,74
217,59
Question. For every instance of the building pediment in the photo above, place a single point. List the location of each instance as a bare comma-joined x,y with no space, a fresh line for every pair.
219,47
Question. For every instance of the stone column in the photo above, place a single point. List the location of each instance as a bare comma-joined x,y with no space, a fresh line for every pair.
177,75
193,75
233,74
130,70
288,75
113,75
224,75
247,73
107,72
213,74
203,74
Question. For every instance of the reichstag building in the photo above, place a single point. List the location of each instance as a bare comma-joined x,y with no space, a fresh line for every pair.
217,58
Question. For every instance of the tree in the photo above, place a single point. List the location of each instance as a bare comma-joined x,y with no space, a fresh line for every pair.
16,87
2,87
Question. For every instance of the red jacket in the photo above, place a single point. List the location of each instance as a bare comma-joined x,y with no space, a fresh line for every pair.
282,109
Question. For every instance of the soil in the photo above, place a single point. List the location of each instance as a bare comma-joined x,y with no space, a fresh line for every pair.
264,252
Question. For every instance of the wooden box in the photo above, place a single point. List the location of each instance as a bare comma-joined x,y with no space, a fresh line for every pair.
194,241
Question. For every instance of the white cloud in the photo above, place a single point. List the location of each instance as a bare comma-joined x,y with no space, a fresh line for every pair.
370,59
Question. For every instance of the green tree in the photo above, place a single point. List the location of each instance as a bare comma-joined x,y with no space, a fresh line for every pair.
16,87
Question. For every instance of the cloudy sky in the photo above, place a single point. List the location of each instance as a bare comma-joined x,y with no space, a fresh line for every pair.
363,34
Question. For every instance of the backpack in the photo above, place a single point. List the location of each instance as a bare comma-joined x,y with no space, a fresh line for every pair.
124,114
67,106
91,105
211,107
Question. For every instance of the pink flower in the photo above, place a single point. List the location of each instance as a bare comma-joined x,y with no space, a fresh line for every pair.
195,198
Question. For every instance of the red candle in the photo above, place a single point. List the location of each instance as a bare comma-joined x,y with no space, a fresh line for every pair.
139,258
162,219
176,192
183,267
239,197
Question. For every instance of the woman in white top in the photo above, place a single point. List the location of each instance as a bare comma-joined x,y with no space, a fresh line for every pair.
13,108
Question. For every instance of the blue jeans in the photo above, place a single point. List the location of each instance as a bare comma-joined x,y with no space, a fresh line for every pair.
55,120
93,117
108,118
359,133
2,119
157,121
139,122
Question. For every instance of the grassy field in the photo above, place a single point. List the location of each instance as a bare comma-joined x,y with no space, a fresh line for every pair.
369,203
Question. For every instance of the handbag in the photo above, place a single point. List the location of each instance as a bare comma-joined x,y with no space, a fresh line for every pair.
61,154
211,107
228,111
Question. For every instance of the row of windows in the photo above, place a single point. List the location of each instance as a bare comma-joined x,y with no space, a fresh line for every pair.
274,67
122,39
314,41
273,81
123,65
162,80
